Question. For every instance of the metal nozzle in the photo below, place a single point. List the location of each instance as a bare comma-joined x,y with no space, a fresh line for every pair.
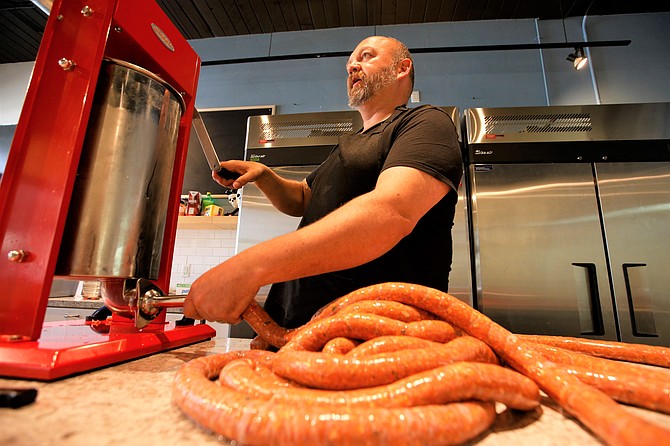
140,300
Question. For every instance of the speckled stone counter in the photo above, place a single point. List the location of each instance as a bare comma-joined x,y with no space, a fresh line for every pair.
130,404
73,302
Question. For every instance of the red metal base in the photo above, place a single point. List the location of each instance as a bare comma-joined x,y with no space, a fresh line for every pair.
71,347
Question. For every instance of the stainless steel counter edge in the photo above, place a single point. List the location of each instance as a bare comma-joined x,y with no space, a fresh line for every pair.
92,304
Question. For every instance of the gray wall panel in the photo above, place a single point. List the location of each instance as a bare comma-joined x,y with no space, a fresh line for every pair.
465,79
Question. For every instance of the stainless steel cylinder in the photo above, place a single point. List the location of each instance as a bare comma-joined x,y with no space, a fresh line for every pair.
116,218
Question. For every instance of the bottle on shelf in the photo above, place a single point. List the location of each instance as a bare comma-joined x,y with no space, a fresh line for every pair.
207,200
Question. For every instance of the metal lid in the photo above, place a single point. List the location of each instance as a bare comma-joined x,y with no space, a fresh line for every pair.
149,74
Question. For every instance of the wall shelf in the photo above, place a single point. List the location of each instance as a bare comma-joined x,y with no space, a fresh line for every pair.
206,222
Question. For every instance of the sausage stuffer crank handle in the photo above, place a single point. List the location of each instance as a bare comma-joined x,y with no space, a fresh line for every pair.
208,148
169,301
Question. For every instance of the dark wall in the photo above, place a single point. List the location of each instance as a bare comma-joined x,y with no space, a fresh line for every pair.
227,129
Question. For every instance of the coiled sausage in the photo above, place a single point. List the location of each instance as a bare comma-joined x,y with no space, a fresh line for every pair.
257,422
341,372
454,382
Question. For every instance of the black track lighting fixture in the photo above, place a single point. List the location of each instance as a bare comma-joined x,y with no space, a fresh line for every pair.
578,58
432,50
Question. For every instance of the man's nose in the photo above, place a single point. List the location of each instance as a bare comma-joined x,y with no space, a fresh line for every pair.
353,67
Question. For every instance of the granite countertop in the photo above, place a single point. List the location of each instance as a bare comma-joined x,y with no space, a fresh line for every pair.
130,404
74,302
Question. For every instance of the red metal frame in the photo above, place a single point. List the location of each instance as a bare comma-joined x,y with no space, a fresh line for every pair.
39,176
70,347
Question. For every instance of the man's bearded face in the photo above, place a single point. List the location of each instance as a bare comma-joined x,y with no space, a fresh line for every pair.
361,87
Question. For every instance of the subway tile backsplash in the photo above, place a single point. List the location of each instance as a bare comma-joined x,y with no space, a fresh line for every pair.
198,250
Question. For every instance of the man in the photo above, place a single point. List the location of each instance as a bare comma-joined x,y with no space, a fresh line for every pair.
380,208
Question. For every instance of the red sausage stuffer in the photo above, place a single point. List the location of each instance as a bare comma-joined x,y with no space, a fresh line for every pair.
100,149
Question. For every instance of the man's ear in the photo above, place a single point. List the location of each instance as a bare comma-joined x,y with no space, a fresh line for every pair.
404,67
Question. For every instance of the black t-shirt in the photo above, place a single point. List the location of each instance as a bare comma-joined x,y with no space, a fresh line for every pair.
424,138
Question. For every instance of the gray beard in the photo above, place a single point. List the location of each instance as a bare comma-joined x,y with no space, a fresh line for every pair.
370,86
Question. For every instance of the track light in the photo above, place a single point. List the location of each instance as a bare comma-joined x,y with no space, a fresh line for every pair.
577,58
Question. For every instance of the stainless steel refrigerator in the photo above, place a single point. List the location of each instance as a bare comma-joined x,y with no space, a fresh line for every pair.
570,211
293,145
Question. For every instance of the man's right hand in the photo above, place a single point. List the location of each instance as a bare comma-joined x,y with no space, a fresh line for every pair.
248,172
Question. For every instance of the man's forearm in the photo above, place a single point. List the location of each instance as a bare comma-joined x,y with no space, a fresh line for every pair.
343,239
288,196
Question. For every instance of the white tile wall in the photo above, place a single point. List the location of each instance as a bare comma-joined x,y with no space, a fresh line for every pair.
198,250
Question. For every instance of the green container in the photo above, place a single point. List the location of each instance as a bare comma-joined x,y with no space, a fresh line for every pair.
207,200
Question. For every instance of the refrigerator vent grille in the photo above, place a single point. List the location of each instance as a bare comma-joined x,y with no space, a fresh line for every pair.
545,123
273,131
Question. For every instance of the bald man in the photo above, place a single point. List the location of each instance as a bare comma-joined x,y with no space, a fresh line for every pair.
380,208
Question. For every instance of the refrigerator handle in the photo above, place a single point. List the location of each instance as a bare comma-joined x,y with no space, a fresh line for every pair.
596,313
641,319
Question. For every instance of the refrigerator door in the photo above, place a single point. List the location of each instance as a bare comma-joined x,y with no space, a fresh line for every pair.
539,256
258,220
636,212
460,277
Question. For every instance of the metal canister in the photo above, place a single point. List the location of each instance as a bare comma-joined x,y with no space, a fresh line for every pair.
116,218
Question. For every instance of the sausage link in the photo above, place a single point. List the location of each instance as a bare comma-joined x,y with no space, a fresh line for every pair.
314,335
339,346
389,344
390,309
639,353
258,343
337,372
255,421
432,330
244,374
264,326
597,411
625,382
454,382
276,336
